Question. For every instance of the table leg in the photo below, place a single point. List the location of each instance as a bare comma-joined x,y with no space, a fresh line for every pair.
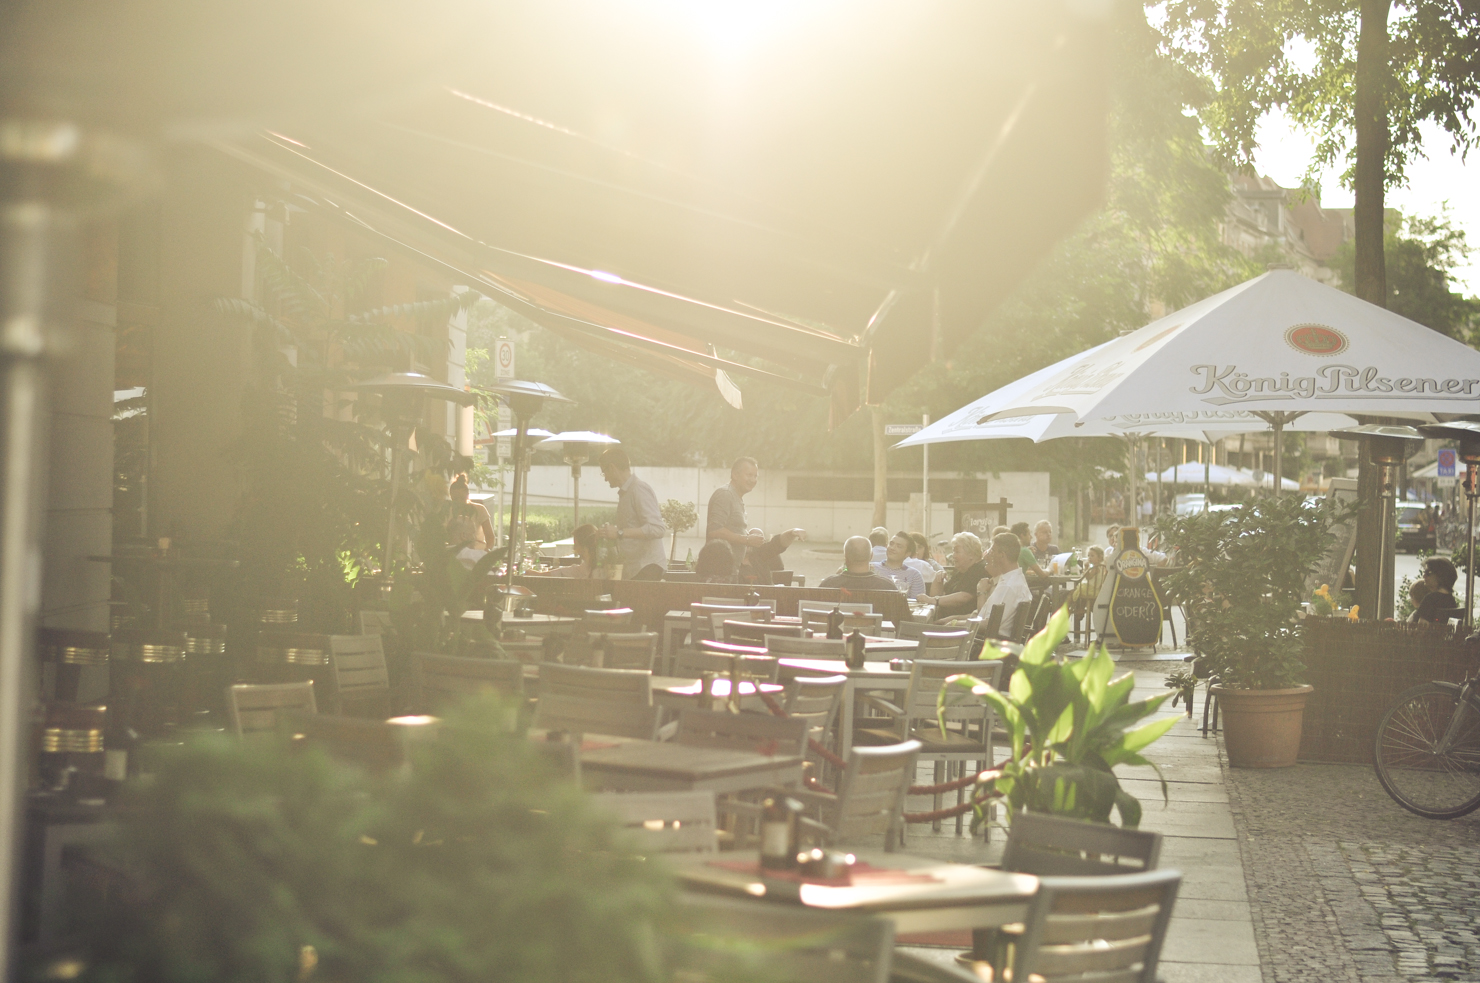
845,726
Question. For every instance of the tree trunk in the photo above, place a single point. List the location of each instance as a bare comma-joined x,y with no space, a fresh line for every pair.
1371,272
881,469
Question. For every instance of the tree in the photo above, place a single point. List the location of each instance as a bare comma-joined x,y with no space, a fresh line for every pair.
1420,253
1372,80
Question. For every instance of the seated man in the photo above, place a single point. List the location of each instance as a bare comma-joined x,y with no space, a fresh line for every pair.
761,560
858,571
1026,559
902,575
715,563
1012,584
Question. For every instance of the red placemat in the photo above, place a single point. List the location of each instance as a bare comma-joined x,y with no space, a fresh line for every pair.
595,745
859,874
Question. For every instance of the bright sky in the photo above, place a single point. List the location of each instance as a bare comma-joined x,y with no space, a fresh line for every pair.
1285,153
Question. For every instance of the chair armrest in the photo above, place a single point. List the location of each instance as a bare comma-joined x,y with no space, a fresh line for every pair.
878,702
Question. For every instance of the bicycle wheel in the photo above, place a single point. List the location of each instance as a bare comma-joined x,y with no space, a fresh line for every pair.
1420,778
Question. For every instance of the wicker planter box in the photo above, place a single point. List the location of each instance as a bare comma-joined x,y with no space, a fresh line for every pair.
1358,668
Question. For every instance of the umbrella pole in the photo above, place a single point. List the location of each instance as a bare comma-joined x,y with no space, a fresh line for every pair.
1133,514
1472,473
511,562
575,480
398,440
1279,453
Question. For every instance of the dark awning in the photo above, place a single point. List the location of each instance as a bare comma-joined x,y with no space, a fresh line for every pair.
825,194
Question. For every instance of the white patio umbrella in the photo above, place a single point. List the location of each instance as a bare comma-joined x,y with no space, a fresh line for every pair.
1193,473
1278,346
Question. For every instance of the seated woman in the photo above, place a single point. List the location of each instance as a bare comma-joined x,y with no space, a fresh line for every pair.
1438,576
1089,585
468,524
956,594
715,563
583,545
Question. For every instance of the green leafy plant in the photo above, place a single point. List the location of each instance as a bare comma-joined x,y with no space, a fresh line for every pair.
680,517
264,862
1068,728
1242,582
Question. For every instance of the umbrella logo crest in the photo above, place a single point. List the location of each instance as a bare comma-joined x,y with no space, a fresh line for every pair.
1316,339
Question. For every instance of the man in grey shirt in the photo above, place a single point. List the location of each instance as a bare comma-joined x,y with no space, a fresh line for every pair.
726,516
639,528
858,572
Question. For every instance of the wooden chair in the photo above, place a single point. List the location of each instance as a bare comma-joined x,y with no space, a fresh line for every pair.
782,943
870,797
361,682
756,632
865,621
944,645
594,622
626,650
804,648
743,731
527,650
992,627
375,622
969,740
253,708
1021,624
912,629
665,822
782,578
702,624
437,680
1095,928
816,699
692,664
1047,845
577,700
739,602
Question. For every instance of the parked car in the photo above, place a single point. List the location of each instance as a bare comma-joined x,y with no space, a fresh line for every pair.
1416,528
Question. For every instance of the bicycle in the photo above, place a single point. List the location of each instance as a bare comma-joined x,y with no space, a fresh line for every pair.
1428,749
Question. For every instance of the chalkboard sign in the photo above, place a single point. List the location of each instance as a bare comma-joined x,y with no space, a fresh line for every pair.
1338,556
1136,612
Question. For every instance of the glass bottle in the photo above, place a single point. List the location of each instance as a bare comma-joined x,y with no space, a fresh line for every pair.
779,832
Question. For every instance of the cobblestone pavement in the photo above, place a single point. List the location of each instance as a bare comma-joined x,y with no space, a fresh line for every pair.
1345,885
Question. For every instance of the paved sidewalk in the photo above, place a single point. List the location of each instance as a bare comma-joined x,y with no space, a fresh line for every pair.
1212,934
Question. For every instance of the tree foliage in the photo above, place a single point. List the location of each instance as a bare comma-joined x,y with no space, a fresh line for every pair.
1301,56
1421,253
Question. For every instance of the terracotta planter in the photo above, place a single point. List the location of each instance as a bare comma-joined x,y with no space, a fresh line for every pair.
1261,727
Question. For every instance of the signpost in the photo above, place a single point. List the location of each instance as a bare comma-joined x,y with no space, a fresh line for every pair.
909,430
1447,456
503,368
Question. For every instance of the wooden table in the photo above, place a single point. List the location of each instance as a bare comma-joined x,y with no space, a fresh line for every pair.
944,897
534,624
679,692
650,766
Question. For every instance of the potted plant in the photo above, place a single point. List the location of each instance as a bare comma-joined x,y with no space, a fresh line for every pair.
1069,729
680,517
266,861
1242,583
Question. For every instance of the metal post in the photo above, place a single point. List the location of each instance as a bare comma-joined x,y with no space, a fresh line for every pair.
512,561
398,441
925,480
1472,476
575,479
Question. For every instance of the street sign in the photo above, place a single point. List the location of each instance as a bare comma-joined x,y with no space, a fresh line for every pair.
503,358
1446,462
901,429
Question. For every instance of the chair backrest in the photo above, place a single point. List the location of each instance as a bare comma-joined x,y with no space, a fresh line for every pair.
742,731
782,578
847,607
870,623
692,664
254,707
994,621
1020,625
704,624
815,699
586,715
629,686
944,644
625,650
928,677
739,602
804,648
375,622
527,650
665,822
783,943
1055,846
815,619
1100,928
912,629
361,681
755,632
438,680
871,794
607,619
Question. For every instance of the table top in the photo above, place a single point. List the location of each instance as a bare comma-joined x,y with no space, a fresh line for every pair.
936,884
521,622
838,667
683,762
684,686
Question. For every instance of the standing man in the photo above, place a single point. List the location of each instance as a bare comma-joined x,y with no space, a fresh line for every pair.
726,517
639,528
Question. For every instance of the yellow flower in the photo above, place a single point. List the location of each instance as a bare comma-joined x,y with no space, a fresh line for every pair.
1353,613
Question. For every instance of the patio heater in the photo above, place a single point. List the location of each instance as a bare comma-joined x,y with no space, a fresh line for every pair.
576,445
1467,434
1387,448
494,438
525,399
401,395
